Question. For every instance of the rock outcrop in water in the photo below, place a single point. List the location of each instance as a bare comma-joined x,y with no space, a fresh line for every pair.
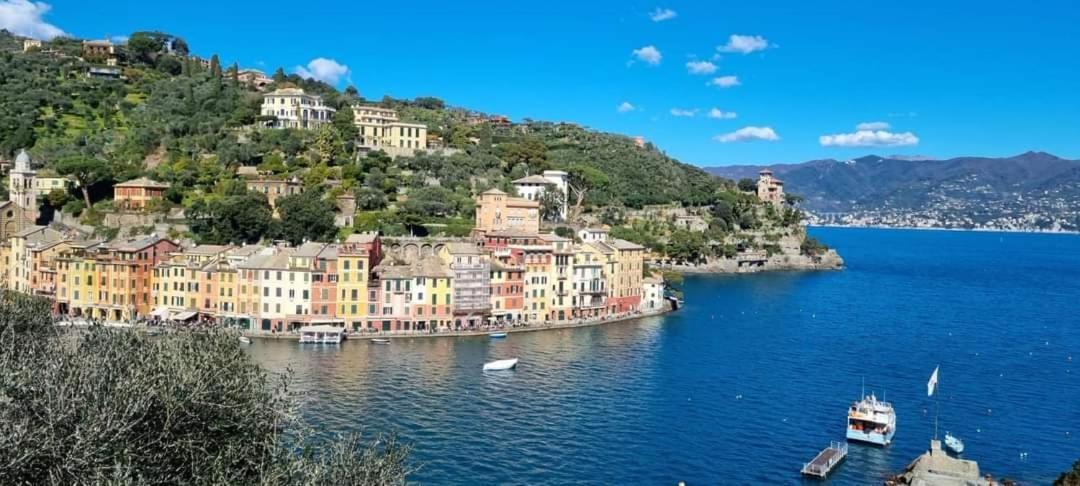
936,468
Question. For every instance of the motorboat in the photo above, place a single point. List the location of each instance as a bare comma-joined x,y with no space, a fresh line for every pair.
871,421
245,340
322,334
954,443
502,364
380,341
496,335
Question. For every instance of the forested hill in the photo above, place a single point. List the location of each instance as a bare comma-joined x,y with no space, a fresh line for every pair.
172,119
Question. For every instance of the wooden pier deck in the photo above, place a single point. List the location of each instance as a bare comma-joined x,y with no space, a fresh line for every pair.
826,460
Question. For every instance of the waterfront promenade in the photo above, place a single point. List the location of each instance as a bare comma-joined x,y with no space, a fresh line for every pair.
477,331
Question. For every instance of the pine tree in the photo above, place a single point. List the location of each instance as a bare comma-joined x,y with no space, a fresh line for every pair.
279,75
215,66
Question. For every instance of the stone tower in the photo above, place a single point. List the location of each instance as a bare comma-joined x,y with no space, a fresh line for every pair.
21,188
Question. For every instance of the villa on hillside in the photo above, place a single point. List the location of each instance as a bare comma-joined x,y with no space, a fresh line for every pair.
275,188
769,188
293,108
532,187
138,193
498,211
380,129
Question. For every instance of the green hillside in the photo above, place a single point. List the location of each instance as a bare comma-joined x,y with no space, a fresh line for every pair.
170,118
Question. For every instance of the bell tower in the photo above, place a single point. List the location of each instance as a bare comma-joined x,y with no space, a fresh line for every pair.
21,188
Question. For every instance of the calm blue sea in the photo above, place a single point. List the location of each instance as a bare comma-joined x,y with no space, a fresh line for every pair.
750,379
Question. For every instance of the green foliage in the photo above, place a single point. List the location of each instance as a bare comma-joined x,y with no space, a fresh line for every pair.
565,232
85,170
551,202
747,185
306,217
57,198
238,217
370,199
639,234
687,246
106,406
811,246
74,207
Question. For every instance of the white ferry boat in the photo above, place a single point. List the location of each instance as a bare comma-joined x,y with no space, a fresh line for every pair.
322,335
871,421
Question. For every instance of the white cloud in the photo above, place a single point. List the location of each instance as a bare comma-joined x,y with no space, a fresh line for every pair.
624,107
872,126
721,114
744,44
648,54
869,138
662,14
23,17
119,39
746,134
725,81
683,112
326,70
700,67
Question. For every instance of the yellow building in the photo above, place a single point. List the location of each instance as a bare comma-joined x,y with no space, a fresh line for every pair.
380,129
112,281
31,254
497,211
629,270
355,258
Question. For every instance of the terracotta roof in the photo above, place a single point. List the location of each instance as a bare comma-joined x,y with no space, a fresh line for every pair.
625,245
143,182
366,237
533,179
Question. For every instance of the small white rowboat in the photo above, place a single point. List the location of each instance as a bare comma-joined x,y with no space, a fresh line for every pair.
502,364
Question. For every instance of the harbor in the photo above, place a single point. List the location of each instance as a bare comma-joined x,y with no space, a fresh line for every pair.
742,366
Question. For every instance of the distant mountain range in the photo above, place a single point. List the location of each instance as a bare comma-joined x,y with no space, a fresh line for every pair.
1034,190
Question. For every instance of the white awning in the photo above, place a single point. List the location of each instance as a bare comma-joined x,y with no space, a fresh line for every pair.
161,312
183,316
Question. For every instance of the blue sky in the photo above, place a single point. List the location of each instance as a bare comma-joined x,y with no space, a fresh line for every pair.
947,78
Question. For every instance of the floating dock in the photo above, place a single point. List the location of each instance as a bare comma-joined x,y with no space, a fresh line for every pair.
826,460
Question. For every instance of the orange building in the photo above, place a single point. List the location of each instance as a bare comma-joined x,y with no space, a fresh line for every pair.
497,211
769,188
138,193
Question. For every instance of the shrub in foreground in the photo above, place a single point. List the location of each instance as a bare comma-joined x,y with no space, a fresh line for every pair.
105,406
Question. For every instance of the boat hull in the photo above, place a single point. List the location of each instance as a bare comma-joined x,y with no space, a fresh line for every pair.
500,365
872,438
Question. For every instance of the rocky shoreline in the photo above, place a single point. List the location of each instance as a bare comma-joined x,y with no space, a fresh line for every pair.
830,260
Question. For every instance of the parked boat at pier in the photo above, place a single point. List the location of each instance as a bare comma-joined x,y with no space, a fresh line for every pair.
496,335
322,335
871,421
380,341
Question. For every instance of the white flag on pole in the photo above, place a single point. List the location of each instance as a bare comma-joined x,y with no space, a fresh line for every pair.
930,385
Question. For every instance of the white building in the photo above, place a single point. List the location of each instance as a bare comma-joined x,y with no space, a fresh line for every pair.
652,293
531,187
380,129
293,108
593,235
22,188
